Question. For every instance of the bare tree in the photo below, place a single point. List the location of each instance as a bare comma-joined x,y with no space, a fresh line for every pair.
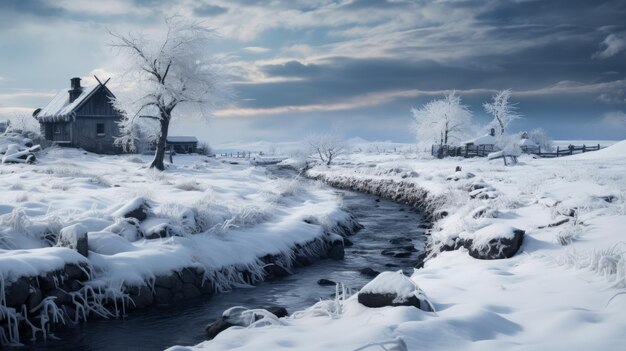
171,74
327,147
442,121
503,111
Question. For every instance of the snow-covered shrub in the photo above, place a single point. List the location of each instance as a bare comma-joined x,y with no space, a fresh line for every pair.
100,180
188,185
509,144
60,185
609,263
208,212
182,219
245,217
332,308
135,159
157,176
539,137
16,220
569,234
66,170
204,149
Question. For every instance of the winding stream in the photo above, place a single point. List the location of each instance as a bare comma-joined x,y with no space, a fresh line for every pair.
157,328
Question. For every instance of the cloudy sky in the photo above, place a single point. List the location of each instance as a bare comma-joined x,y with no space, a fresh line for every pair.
355,66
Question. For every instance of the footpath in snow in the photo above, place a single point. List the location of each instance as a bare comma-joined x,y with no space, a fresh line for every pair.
562,290
86,235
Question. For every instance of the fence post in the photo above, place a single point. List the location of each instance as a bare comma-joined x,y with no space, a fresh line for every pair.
557,151
598,147
584,148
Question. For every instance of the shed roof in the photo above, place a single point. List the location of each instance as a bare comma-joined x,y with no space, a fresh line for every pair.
181,139
61,110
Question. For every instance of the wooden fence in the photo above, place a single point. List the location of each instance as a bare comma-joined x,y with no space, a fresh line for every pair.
467,151
462,151
560,152
238,154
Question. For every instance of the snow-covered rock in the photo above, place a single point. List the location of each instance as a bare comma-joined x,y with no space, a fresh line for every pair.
75,237
137,208
243,317
493,242
392,289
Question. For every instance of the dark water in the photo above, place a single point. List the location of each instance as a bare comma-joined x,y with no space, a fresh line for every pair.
157,328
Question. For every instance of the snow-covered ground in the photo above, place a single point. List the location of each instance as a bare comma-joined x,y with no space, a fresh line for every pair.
564,290
218,215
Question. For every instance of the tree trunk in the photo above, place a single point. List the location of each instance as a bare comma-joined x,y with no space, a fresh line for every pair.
159,155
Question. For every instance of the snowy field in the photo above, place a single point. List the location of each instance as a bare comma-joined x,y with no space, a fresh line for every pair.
214,215
564,290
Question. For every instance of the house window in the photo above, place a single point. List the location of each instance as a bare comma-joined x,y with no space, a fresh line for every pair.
100,129
57,129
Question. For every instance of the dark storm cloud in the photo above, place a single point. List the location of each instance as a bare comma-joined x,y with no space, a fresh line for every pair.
342,78
548,42
374,4
292,69
39,8
590,14
209,10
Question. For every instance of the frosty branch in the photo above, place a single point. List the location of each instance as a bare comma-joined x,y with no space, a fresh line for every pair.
503,111
170,75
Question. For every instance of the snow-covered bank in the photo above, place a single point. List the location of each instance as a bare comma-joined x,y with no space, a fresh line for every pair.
563,290
209,226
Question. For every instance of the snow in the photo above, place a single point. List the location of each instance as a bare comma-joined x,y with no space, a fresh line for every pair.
60,108
233,215
132,205
486,139
391,283
70,235
527,143
550,296
31,263
617,150
483,236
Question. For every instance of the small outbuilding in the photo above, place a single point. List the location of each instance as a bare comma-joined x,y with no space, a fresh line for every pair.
487,140
82,117
182,144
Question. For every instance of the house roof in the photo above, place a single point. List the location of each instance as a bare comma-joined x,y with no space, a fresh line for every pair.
486,139
61,110
181,139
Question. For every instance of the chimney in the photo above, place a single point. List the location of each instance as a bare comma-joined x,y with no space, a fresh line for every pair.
76,89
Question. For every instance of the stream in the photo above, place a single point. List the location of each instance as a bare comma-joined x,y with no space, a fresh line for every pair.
183,323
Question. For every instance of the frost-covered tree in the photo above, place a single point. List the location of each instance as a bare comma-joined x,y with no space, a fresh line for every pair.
442,121
539,137
326,147
135,136
172,75
503,111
